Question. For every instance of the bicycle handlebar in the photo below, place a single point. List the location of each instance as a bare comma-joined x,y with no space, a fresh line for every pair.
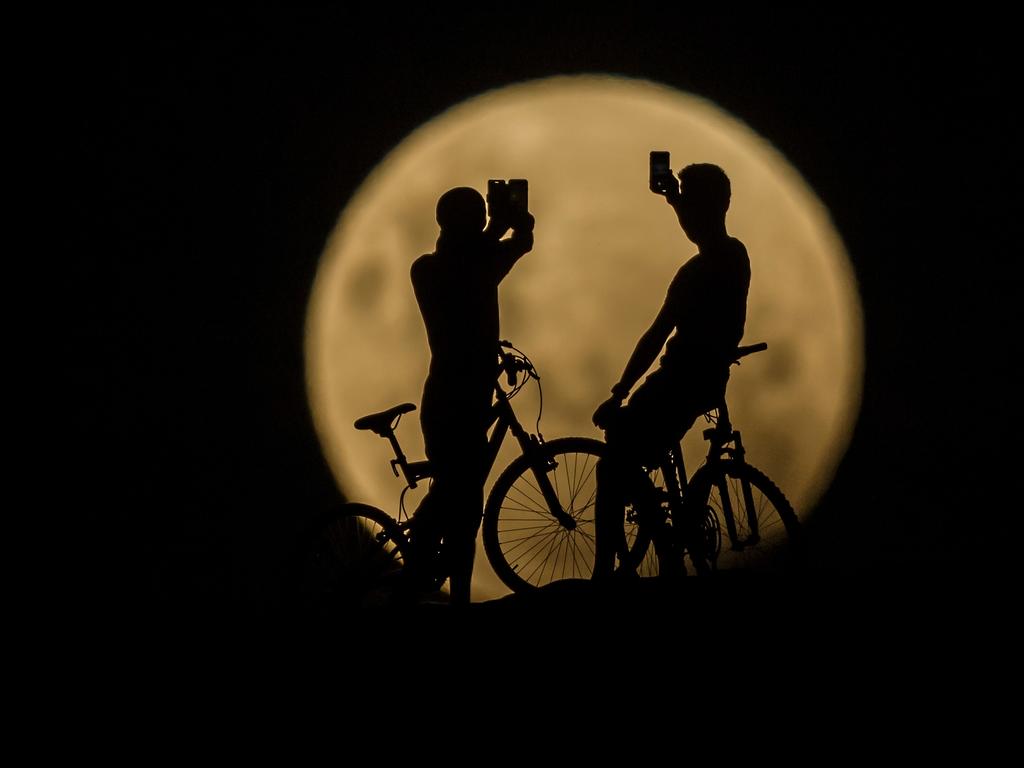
749,350
511,363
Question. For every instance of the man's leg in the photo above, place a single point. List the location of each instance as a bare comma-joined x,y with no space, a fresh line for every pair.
644,430
428,519
460,539
422,564
621,481
463,520
608,514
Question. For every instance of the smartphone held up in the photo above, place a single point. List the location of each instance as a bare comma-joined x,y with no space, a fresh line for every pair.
661,179
507,199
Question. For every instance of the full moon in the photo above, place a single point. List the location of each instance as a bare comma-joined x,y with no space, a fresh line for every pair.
605,251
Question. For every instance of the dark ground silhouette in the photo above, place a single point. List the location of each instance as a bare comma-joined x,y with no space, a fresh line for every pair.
208,158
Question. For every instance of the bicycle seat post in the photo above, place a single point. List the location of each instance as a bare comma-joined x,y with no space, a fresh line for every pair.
399,460
724,425
383,424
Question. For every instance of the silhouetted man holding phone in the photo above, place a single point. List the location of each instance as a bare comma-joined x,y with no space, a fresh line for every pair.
456,287
705,307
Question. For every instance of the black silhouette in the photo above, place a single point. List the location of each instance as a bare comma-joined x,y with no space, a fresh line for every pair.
457,290
705,307
556,512
538,523
728,515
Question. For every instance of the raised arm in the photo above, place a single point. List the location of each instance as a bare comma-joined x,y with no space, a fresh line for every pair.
673,197
511,250
644,355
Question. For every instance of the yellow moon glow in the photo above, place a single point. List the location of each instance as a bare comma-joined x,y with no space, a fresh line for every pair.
605,251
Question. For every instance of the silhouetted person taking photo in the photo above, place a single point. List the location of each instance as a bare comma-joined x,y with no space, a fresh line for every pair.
456,287
704,312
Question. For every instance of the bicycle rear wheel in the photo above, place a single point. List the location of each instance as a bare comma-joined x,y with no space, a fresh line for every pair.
526,544
352,558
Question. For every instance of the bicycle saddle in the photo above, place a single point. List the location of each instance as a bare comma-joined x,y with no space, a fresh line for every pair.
381,422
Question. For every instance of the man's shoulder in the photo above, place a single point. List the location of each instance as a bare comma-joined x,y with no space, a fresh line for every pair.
736,247
737,259
729,250
687,268
730,246
422,266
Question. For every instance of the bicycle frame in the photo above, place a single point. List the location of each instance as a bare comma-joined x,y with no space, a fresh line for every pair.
724,442
502,420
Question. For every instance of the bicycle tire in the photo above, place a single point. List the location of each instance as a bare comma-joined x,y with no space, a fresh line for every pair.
352,558
527,547
779,545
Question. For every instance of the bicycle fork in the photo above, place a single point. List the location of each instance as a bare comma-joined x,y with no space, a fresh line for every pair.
540,465
737,453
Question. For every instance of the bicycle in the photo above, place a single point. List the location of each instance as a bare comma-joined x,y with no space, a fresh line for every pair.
359,554
728,515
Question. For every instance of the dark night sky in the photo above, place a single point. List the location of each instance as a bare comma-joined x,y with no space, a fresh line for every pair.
211,154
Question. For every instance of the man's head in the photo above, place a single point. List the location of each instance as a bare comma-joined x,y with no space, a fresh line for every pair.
461,211
704,198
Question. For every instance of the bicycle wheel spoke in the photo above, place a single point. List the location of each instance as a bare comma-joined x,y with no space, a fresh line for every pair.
590,544
569,569
575,558
591,501
545,561
537,526
524,497
526,514
553,557
573,555
538,538
526,537
540,566
566,553
532,513
559,554
580,485
586,552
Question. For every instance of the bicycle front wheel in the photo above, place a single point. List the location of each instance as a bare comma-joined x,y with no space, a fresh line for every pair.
352,558
530,545
748,522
